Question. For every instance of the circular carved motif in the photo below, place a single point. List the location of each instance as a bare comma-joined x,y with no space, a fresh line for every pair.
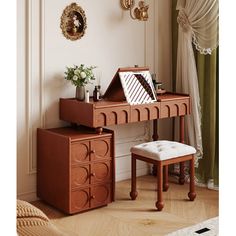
79,152
101,193
101,147
79,199
73,22
101,171
79,176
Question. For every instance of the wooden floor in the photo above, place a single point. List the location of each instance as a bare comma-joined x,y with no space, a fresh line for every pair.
125,217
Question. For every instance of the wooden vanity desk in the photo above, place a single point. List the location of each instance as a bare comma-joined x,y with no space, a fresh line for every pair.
105,113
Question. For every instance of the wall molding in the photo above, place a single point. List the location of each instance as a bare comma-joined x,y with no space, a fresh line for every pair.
34,76
34,100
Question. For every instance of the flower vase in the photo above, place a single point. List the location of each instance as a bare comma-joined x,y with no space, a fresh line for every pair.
80,93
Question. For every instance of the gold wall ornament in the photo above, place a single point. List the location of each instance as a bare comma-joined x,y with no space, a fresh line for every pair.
140,12
73,22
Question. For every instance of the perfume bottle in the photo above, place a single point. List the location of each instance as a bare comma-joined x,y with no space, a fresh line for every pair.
96,94
100,92
86,96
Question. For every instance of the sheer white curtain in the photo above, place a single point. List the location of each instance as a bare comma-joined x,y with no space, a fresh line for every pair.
198,25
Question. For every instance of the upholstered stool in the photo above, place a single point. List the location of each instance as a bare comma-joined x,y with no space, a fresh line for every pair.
162,153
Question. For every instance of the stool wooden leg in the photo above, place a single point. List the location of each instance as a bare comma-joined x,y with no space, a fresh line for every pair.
181,173
159,203
165,178
133,193
192,193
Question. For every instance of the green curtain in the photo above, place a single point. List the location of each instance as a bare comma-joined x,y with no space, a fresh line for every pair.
208,78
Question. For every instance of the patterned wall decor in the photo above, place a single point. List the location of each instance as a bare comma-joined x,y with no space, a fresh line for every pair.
138,87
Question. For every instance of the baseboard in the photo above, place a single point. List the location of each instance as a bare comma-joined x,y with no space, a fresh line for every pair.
28,196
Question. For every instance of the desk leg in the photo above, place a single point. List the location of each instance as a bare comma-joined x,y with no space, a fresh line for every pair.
181,132
155,134
154,138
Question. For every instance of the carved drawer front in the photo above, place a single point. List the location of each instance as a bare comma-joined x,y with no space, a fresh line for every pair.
175,108
79,176
144,112
100,172
79,152
111,116
100,195
100,149
79,200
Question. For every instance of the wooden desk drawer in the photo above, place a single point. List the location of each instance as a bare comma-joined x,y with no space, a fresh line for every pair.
178,107
144,112
111,116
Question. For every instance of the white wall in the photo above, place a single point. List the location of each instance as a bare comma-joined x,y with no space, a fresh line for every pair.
111,40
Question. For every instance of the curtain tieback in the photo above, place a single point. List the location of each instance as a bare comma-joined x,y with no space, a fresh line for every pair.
183,21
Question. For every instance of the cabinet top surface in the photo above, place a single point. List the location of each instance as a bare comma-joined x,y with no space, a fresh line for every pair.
105,103
78,133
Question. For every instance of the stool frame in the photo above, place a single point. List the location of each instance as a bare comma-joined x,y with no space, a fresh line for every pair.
162,176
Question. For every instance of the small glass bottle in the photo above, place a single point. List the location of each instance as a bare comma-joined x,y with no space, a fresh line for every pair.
96,94
99,91
87,96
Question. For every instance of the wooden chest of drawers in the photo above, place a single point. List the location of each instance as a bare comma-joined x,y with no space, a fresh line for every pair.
75,168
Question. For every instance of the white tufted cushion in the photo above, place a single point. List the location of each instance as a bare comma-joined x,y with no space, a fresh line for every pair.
162,150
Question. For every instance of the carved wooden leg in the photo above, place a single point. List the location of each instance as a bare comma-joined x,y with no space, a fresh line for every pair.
192,193
181,133
154,138
133,193
165,178
159,203
181,173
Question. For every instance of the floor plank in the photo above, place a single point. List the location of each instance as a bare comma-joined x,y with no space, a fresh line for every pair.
125,217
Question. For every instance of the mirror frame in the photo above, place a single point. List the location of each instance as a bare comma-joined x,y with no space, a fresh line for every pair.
73,29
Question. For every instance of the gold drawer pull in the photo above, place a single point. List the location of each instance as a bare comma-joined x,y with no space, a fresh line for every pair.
93,151
92,197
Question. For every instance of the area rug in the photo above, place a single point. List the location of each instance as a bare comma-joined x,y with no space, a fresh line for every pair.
206,228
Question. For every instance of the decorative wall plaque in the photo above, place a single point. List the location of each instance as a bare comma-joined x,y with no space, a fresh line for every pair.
73,22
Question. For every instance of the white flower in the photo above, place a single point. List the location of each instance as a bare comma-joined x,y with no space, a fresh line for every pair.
75,77
77,72
83,75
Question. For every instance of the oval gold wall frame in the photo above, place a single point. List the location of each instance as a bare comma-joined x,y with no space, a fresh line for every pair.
73,22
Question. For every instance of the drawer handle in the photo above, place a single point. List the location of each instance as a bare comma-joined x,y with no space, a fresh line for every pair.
92,197
93,174
93,151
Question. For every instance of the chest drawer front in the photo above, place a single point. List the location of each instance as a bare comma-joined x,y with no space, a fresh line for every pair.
80,200
79,176
80,152
101,149
100,195
101,172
